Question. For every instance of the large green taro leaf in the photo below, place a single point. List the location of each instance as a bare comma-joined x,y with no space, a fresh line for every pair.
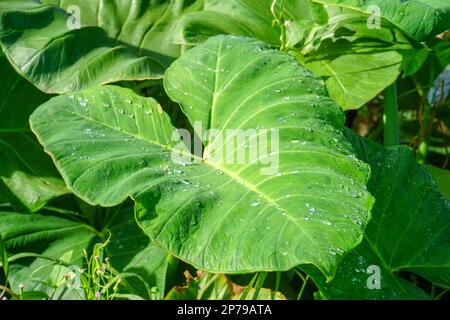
410,230
64,238
43,47
148,26
26,171
109,144
421,19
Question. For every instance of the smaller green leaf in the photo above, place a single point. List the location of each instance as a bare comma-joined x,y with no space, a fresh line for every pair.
51,238
413,60
421,19
442,178
131,251
27,174
356,62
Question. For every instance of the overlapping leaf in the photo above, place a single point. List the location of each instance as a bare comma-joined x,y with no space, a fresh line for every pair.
109,144
42,46
357,62
54,237
442,178
410,231
132,252
29,177
65,238
251,18
421,19
146,26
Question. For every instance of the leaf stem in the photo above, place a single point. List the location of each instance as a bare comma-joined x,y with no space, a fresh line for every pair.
425,133
390,118
440,295
247,288
426,116
278,20
261,278
304,282
300,294
9,291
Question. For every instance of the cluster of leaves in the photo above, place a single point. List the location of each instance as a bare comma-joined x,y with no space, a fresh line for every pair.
113,217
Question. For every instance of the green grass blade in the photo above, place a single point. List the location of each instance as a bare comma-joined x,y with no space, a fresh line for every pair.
261,278
4,258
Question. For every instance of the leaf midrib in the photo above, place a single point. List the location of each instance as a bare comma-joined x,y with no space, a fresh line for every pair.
215,91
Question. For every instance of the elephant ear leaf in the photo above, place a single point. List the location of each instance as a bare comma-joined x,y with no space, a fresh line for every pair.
404,234
356,62
247,18
147,26
39,42
420,19
28,178
219,216
253,19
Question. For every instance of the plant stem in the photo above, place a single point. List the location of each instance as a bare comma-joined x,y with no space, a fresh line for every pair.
426,116
425,132
278,20
8,290
261,278
300,294
439,296
277,286
390,118
247,288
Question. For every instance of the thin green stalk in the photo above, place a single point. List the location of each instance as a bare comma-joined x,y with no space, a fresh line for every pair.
4,259
9,291
300,294
440,295
277,285
304,282
278,20
426,123
390,117
247,288
206,287
261,278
